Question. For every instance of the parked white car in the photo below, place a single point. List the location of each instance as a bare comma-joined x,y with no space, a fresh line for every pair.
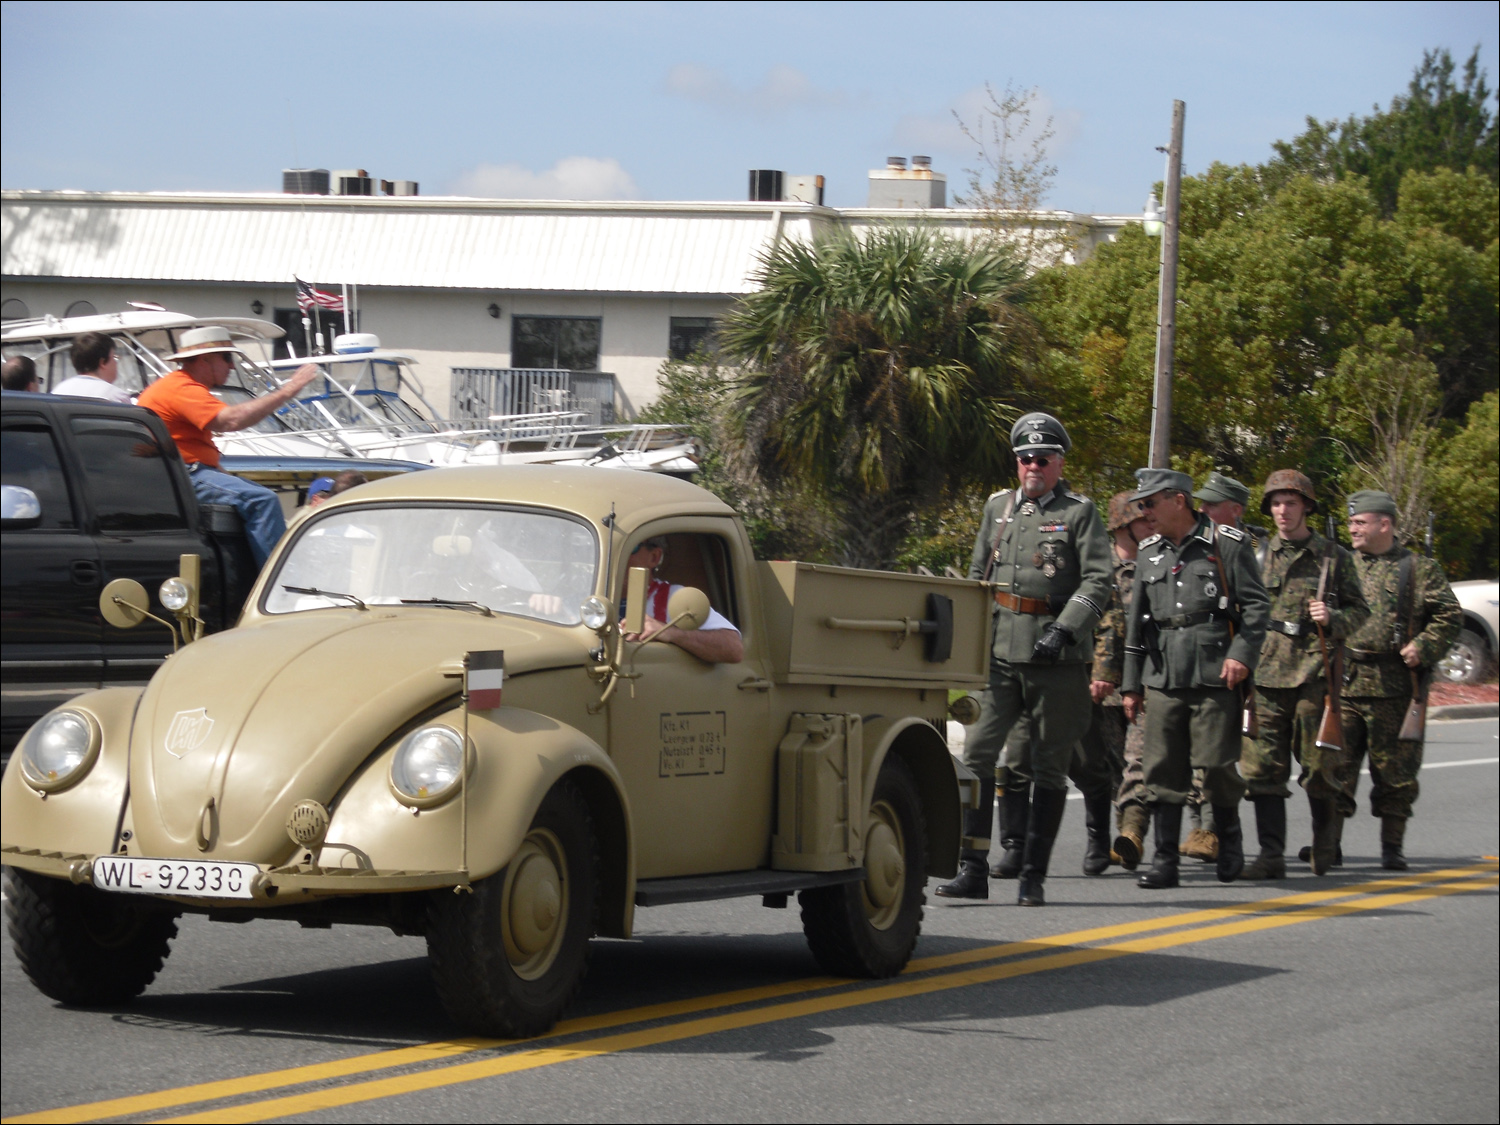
1473,655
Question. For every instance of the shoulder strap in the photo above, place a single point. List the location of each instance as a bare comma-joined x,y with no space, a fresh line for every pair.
1406,574
1225,601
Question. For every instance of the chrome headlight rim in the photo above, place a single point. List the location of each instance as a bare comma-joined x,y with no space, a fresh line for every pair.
49,781
433,797
594,613
175,594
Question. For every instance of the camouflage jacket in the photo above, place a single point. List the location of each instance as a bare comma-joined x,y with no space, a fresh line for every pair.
1375,668
1109,635
1052,548
1291,580
1182,623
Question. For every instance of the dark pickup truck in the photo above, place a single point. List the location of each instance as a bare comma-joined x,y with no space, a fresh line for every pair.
114,501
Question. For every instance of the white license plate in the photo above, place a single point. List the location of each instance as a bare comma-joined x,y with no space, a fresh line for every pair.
197,878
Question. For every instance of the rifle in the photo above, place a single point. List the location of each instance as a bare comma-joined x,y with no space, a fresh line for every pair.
1331,729
1249,721
1414,725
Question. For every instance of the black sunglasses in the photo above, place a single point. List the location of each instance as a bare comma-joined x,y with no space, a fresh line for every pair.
1040,460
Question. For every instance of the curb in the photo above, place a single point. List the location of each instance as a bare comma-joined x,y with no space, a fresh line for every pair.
1465,711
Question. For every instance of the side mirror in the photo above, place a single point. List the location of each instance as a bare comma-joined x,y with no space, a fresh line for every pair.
19,508
124,603
688,608
636,582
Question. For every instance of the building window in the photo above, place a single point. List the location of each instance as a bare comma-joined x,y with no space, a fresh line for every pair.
331,324
559,343
81,308
14,309
690,336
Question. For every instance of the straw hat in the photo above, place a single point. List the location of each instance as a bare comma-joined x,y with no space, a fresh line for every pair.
205,341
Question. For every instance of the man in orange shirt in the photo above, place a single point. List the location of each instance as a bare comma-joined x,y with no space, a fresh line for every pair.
184,401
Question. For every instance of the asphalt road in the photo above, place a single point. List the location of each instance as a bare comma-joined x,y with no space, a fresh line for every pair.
1366,999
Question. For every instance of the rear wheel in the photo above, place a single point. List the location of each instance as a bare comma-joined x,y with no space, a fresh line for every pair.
1467,661
869,929
509,957
83,946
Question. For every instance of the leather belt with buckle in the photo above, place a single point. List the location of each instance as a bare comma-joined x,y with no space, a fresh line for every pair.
1290,628
1184,620
1359,656
1038,607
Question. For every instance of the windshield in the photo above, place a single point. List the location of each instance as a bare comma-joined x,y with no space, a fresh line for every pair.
534,564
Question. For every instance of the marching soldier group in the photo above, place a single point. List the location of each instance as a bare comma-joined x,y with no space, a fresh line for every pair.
1176,658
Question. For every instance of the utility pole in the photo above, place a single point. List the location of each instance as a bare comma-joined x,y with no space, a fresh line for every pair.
1166,311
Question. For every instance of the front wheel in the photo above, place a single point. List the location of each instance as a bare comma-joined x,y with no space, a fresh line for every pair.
509,957
84,946
869,929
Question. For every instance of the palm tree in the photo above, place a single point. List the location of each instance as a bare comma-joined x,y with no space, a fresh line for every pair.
879,371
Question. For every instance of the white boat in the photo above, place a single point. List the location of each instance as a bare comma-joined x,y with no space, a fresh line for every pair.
367,403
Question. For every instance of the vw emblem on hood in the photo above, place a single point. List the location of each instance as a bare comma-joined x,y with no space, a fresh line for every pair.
189,730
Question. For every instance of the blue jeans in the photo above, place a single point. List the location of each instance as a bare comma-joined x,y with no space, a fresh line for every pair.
257,505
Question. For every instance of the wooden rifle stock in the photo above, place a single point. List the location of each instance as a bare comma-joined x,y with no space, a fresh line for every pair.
1249,720
1331,729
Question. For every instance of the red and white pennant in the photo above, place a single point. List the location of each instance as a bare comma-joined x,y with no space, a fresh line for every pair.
484,677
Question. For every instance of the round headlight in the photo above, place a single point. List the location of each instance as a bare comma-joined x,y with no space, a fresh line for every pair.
174,594
59,750
595,613
427,765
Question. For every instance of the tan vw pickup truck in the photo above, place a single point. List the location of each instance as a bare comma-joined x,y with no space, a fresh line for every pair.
430,717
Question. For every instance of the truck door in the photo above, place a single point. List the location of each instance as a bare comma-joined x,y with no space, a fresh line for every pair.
50,583
694,743
141,528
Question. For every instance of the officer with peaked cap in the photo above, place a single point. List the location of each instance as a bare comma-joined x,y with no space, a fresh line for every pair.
1414,618
1192,636
1224,501
1044,549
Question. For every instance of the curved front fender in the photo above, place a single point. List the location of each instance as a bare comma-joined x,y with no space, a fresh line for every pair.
925,753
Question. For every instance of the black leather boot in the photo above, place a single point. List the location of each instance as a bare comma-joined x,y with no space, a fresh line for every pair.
1015,812
1270,826
1231,858
1163,873
1392,843
973,875
1096,822
1047,807
1326,831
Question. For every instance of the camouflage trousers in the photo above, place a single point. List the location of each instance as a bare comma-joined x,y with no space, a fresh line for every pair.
1289,719
1053,700
1190,730
1371,727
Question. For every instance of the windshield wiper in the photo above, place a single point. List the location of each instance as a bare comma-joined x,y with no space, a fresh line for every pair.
313,590
450,603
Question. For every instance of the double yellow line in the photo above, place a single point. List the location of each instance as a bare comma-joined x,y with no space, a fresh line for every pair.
421,1069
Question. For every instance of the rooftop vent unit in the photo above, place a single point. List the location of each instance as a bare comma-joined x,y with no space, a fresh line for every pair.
352,181
304,181
767,186
399,187
896,186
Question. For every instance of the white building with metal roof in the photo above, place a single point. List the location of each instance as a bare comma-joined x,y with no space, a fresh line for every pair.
460,284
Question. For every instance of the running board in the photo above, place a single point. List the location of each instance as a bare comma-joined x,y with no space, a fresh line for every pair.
739,884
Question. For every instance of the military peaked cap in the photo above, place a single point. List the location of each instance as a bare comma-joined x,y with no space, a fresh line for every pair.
1148,482
1039,432
1218,488
1372,501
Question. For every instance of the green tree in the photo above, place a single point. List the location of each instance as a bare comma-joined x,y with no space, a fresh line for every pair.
1466,483
880,373
1437,123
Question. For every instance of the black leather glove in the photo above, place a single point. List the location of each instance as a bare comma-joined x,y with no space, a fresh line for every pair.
1050,644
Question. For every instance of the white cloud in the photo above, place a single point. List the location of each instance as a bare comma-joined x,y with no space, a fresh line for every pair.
572,177
784,87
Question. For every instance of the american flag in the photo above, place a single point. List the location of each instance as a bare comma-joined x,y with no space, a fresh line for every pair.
307,297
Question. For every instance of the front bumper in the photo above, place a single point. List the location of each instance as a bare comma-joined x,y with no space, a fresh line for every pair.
279,886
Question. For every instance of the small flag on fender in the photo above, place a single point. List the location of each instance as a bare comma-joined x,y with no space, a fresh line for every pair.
484,677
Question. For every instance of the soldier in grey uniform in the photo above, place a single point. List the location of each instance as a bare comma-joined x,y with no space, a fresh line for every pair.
1192,637
1045,550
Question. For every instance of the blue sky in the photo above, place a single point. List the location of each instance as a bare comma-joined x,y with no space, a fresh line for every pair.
676,101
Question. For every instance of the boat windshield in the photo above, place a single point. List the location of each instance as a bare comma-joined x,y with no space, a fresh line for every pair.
485,559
